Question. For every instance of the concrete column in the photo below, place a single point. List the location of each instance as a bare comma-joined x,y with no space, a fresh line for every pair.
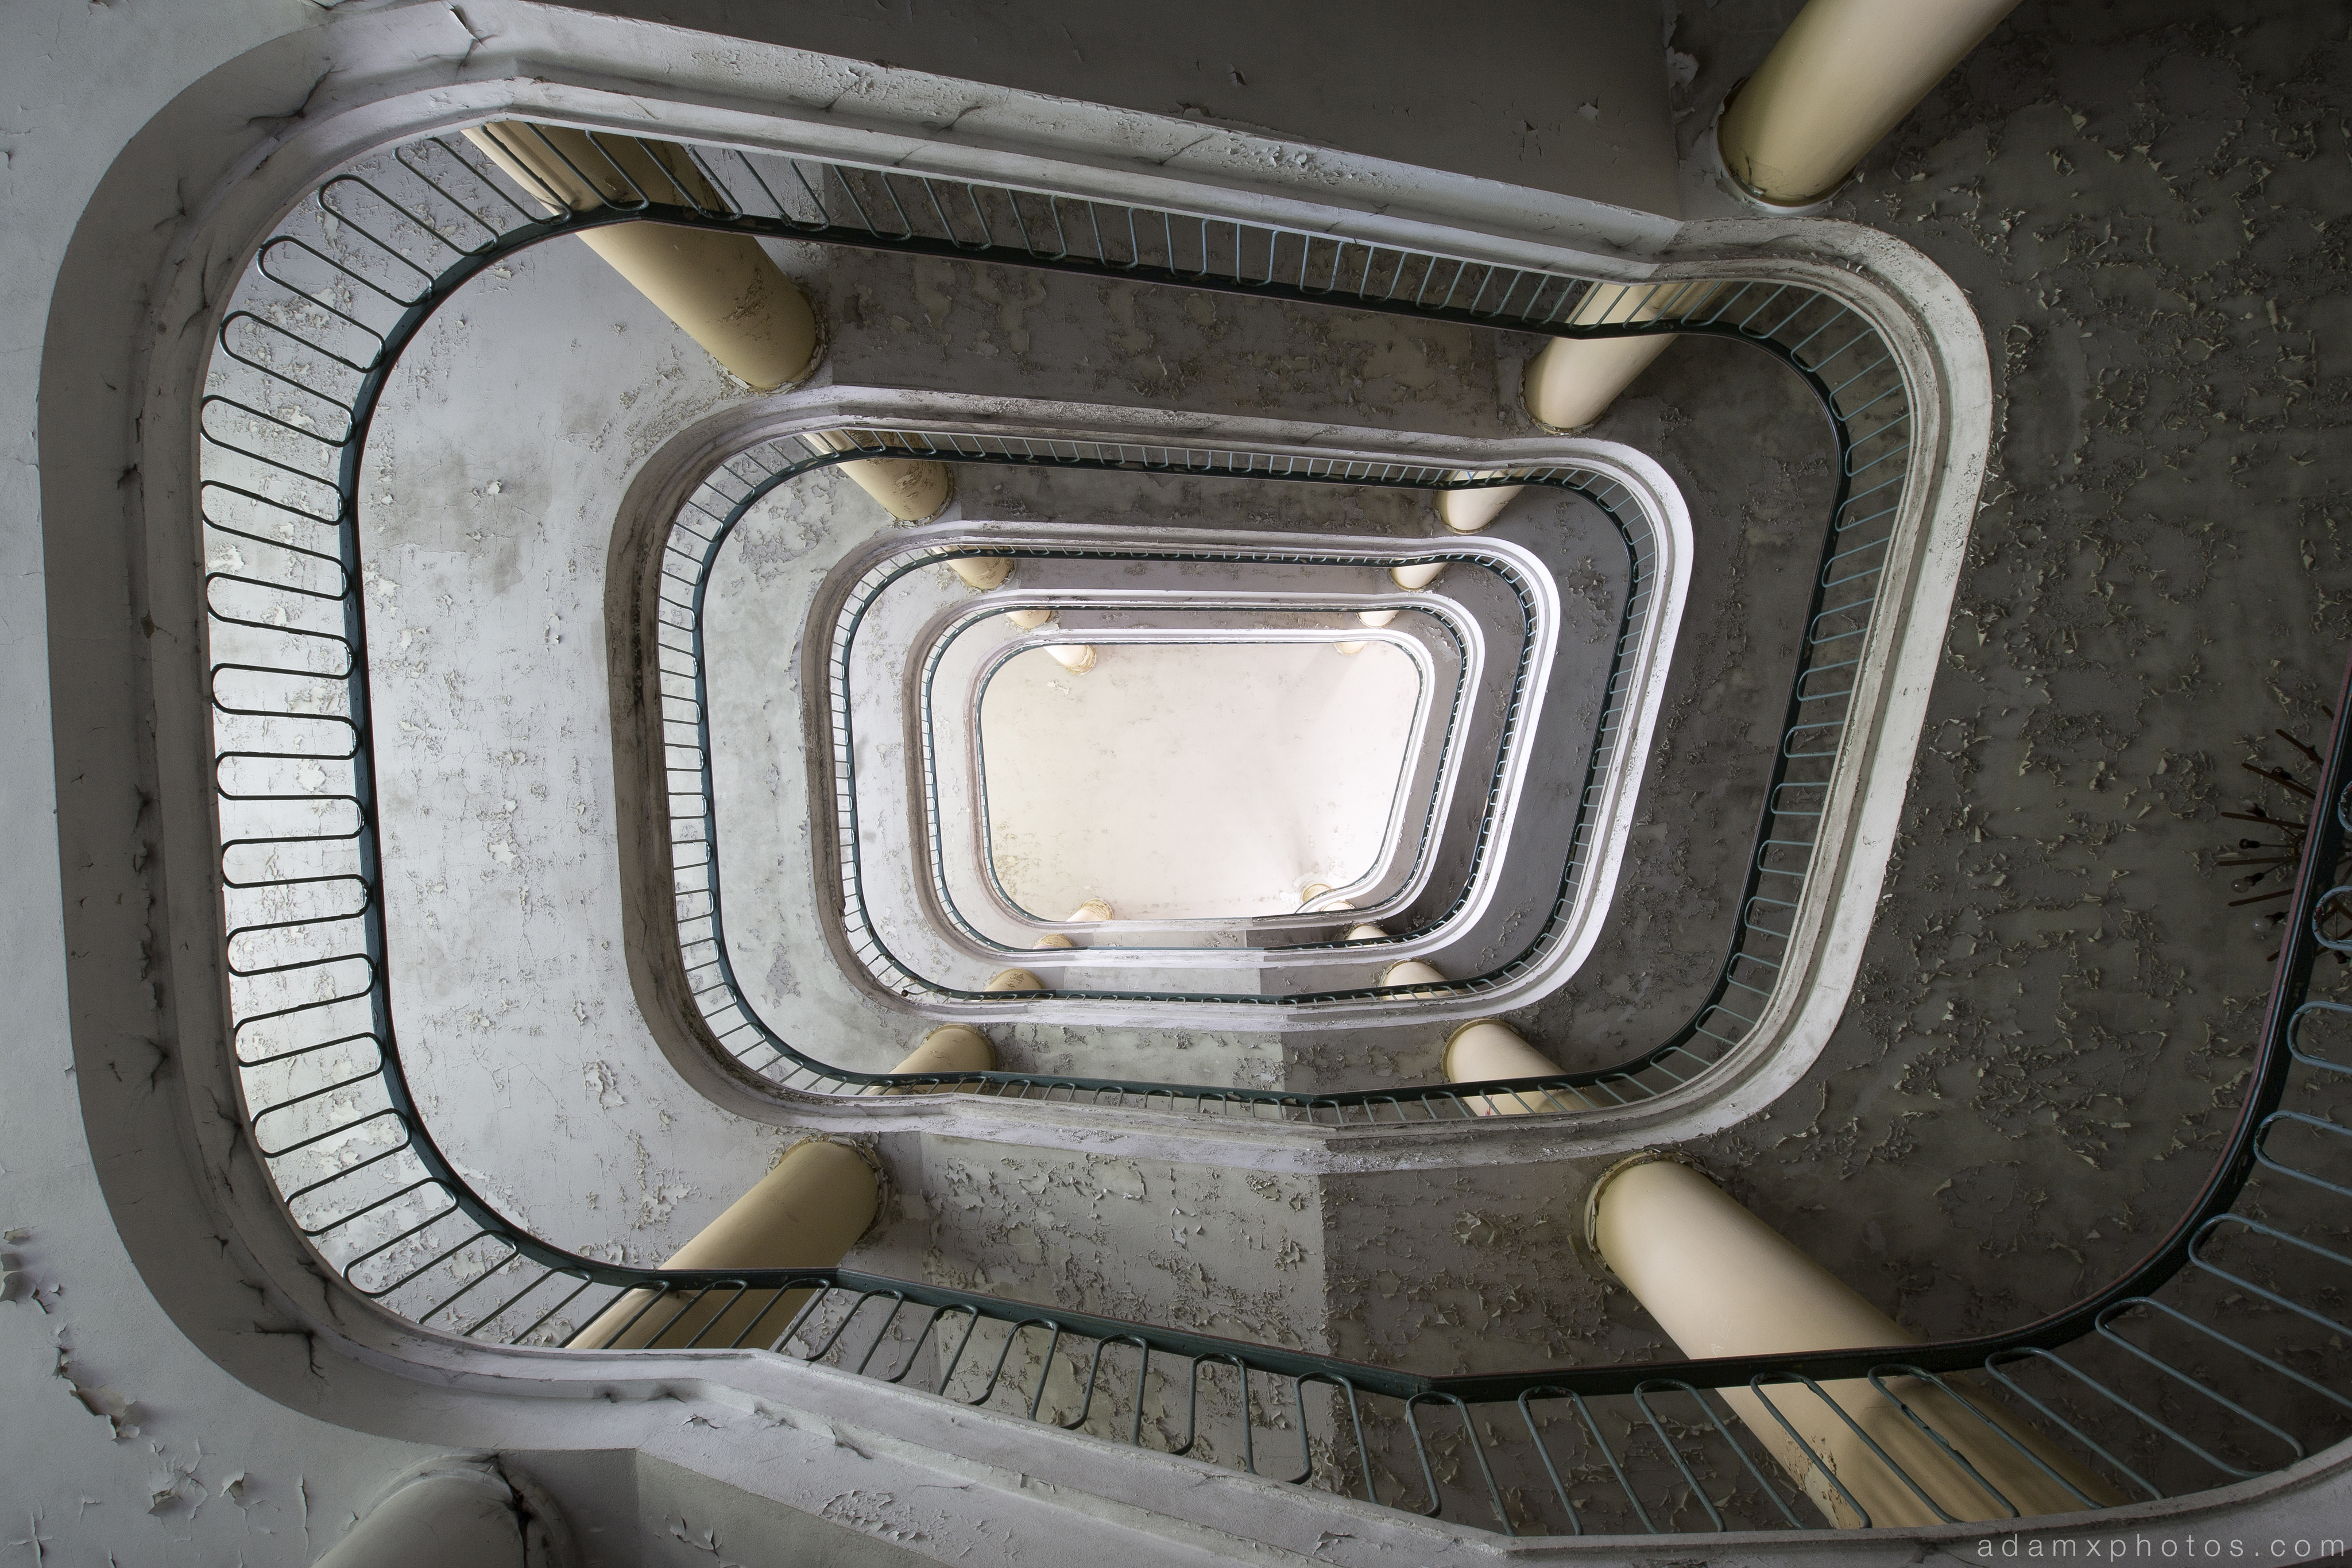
912,490
952,1047
805,1214
1722,1283
1413,972
1838,81
981,573
1483,1049
1093,909
1366,932
721,288
1076,657
449,1513
1467,511
1572,382
1415,576
1013,980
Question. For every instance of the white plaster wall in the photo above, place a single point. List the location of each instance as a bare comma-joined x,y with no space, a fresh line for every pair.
119,1441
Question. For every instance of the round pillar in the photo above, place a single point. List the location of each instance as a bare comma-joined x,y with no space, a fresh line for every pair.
1013,980
805,1214
912,490
1484,1050
1418,576
1076,657
1467,511
1572,382
450,1514
1721,1282
1093,909
720,288
1838,81
1028,619
1366,932
982,571
952,1047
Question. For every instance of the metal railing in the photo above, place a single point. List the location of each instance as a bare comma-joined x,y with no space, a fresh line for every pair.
323,317
333,298
2216,1358
685,571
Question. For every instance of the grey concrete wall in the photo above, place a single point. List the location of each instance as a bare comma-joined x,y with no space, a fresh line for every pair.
1558,98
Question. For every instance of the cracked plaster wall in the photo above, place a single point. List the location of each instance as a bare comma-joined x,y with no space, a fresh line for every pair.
1566,96
512,422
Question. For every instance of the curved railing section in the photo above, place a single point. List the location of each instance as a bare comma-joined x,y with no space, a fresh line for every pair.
694,547
320,319
331,299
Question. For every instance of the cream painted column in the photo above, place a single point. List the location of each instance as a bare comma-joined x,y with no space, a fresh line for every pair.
1722,1283
805,1214
1484,1050
1076,657
951,1047
911,490
980,572
1414,578
1413,972
1467,511
1572,382
1093,909
1013,980
454,1513
721,288
1840,79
